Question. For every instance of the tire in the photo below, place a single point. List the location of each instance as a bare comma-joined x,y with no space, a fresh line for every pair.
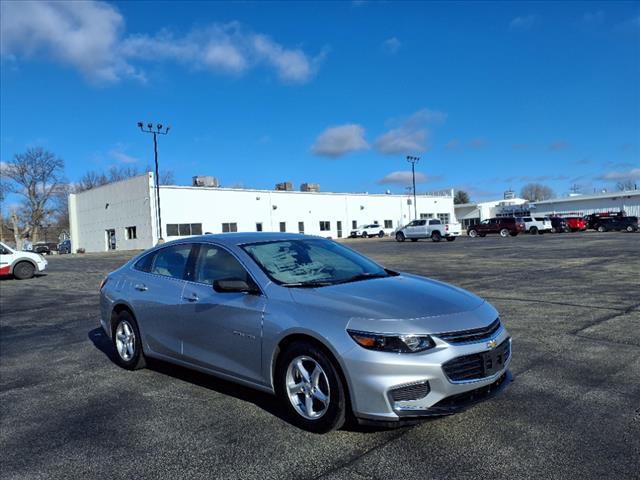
400,237
553,230
365,235
24,270
534,230
295,393
504,233
450,239
127,342
380,234
436,237
601,229
630,228
473,233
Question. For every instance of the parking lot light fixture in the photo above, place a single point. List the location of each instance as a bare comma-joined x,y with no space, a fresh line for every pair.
413,160
158,131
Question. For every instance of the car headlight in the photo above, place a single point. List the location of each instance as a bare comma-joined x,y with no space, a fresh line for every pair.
392,343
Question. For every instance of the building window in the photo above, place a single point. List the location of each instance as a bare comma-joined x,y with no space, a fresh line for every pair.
388,224
258,227
444,217
131,233
229,227
300,227
283,226
183,229
426,215
325,226
354,224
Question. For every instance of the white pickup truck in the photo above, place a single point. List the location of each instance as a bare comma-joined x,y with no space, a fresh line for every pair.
370,230
432,228
538,225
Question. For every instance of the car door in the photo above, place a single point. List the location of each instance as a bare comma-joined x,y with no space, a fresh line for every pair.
156,284
409,230
7,256
222,330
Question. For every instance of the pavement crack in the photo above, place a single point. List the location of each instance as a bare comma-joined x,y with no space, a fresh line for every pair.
606,318
551,302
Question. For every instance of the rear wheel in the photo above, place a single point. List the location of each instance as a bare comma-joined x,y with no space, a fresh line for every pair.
24,270
127,342
630,228
365,234
380,234
504,232
400,237
601,229
436,237
533,230
310,388
473,233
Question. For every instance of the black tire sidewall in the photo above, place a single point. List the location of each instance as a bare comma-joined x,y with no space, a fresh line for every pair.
335,415
400,237
138,360
24,270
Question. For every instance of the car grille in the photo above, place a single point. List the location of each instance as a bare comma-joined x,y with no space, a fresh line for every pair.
474,335
414,391
478,365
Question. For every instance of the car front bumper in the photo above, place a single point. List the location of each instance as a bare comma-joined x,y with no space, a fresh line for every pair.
374,377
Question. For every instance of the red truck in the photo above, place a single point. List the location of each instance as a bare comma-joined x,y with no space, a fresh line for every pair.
576,224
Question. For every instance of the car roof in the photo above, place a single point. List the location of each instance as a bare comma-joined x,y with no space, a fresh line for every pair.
241,238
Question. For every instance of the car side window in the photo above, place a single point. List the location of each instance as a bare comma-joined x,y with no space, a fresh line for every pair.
215,263
171,261
145,263
421,222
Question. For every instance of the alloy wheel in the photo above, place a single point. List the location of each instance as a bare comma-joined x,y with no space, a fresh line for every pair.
125,340
307,387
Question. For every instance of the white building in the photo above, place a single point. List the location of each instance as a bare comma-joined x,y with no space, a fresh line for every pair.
123,215
472,213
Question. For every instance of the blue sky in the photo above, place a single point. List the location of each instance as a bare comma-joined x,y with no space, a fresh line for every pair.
490,95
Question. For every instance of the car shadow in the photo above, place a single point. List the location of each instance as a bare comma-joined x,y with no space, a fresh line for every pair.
263,400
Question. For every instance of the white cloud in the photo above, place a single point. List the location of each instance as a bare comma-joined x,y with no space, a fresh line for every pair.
616,176
89,36
523,23
118,153
391,45
410,135
404,178
337,141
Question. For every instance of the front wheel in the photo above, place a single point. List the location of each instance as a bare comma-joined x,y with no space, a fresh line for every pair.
436,237
24,270
601,229
473,233
504,233
380,234
310,388
127,342
400,237
533,230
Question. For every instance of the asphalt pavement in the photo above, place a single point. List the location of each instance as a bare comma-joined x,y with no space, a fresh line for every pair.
570,301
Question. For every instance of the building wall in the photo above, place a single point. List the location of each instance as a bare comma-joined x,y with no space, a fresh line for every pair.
128,203
585,205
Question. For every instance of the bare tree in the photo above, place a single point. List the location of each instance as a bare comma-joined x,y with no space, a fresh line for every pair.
535,192
461,197
626,185
37,176
93,179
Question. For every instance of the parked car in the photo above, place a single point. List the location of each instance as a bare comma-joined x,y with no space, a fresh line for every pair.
310,320
576,224
371,230
538,225
21,265
432,228
45,248
504,226
629,224
559,225
64,247
594,218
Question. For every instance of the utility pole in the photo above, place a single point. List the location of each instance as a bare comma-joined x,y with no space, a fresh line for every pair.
413,161
157,131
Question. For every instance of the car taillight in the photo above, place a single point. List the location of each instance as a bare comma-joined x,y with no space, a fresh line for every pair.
446,227
103,282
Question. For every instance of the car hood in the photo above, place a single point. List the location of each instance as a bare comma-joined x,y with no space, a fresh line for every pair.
400,304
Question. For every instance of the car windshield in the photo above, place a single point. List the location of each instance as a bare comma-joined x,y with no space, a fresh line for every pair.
312,263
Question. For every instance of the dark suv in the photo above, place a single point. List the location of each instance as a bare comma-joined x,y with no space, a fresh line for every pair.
559,225
629,224
503,226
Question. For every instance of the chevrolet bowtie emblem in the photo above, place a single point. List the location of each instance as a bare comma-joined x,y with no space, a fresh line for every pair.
491,344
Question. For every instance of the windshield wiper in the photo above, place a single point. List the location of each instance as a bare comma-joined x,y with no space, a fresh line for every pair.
306,284
365,276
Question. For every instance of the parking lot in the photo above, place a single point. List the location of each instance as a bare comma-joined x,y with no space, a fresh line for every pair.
570,301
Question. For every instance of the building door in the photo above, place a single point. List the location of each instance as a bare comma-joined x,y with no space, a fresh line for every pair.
111,239
339,229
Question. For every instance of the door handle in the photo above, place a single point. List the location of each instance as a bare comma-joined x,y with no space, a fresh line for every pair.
141,287
193,298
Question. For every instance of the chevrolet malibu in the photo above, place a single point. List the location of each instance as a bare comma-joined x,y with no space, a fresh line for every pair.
327,330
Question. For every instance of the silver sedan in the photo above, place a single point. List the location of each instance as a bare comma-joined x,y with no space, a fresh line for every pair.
329,331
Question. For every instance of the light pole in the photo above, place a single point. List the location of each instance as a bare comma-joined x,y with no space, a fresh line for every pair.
156,132
413,161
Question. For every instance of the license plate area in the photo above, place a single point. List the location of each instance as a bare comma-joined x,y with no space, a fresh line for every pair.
494,360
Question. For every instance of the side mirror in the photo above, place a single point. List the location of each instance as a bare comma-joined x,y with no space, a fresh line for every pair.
234,285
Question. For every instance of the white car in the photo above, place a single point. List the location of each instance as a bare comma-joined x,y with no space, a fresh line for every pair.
21,265
371,230
432,228
535,225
